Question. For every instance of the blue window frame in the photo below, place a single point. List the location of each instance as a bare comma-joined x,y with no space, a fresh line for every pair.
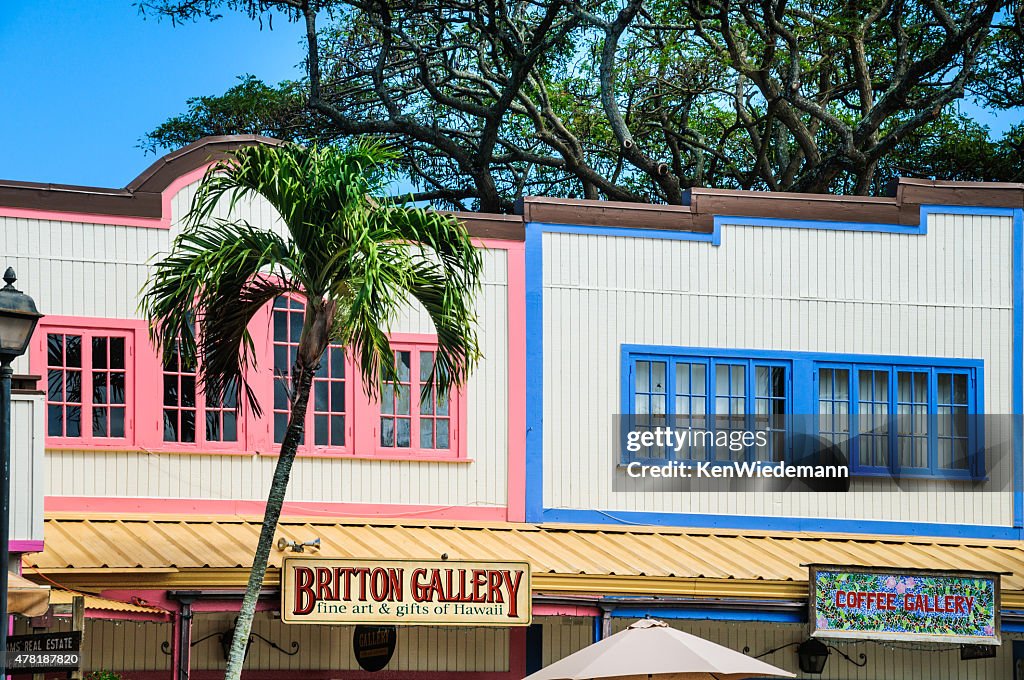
913,421
708,392
887,415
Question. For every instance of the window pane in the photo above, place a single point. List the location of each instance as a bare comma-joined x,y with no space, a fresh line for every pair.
213,426
337,430
117,353
170,390
337,396
73,351
280,394
403,367
658,376
117,390
55,421
321,430
402,403
99,422
945,388
442,434
170,425
403,433
73,386
117,421
55,385
73,423
442,405
54,349
320,396
337,362
643,376
387,432
280,327
280,426
188,391
99,352
721,379
682,378
230,427
188,426
387,399
426,364
99,388
295,325
427,402
426,433
959,388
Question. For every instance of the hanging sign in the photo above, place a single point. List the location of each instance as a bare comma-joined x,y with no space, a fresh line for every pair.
896,604
405,592
43,653
374,646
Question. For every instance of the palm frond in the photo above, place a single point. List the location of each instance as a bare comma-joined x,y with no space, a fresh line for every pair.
219,274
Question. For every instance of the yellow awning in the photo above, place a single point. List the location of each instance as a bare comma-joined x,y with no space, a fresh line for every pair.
97,552
64,598
26,598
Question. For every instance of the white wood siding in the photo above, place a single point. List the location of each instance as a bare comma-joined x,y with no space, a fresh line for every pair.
27,480
885,661
97,270
945,294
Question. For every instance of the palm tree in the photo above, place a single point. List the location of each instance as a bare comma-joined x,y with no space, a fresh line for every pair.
354,258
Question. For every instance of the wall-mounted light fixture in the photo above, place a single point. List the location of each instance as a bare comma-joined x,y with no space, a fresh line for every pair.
812,655
285,544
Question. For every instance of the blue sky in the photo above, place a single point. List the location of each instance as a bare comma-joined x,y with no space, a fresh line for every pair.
83,81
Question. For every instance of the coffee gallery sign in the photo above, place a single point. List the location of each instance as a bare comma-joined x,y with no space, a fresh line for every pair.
400,592
893,604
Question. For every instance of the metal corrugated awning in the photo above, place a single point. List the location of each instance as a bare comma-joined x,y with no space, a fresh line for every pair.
567,559
25,597
60,598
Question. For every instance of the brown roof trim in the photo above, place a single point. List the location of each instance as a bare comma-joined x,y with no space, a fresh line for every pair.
142,197
903,208
491,225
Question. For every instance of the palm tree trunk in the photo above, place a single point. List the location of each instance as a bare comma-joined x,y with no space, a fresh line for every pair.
301,384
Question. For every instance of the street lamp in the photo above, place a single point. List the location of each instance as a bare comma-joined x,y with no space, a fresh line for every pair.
18,318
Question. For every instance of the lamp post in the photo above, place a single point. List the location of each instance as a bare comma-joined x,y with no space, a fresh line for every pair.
18,318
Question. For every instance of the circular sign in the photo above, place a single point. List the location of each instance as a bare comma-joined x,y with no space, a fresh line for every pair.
374,646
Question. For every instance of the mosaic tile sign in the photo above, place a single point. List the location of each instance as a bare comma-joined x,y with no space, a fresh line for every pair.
889,604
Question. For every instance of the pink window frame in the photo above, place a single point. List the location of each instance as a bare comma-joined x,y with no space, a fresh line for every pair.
89,328
155,409
417,343
262,331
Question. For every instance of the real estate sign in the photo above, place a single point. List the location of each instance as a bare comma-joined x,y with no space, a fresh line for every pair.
895,604
404,592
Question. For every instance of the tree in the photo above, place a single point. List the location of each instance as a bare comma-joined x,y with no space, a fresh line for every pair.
353,258
639,100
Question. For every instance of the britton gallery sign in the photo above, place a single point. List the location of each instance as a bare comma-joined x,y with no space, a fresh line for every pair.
891,604
403,592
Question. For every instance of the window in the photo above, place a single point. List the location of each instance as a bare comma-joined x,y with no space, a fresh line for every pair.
330,398
87,396
189,415
709,393
412,416
902,420
91,367
885,416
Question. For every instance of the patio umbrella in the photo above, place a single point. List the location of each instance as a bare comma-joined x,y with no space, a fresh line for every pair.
651,650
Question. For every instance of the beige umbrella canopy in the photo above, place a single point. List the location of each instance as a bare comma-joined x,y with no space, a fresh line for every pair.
651,650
